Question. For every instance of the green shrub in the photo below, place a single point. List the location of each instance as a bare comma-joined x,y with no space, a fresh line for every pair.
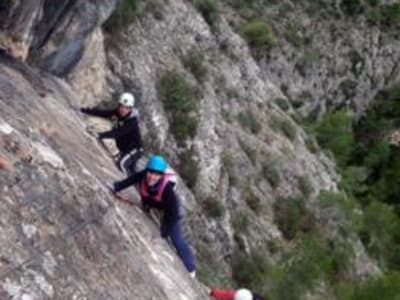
123,15
305,186
283,103
258,35
335,133
249,270
380,234
214,207
209,10
271,173
250,152
375,15
386,186
311,144
211,276
329,199
286,127
189,167
354,180
293,34
385,287
352,7
252,200
180,104
248,121
391,14
312,260
290,215
228,164
385,15
379,155
380,118
194,62
240,222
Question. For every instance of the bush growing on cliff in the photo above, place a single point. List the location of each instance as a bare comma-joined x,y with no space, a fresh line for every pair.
352,7
391,14
123,14
305,185
180,105
252,200
258,35
214,207
209,10
335,133
313,259
384,287
386,15
292,217
249,270
240,222
380,234
194,62
286,127
249,121
271,173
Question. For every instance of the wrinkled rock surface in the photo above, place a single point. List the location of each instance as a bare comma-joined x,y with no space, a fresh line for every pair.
62,235
69,239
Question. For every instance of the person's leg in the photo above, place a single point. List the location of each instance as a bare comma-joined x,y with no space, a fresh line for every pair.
132,161
127,163
121,163
181,246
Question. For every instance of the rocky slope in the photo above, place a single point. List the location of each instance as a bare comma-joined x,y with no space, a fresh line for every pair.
64,224
63,237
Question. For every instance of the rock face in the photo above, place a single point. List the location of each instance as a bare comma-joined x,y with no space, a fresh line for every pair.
344,63
62,236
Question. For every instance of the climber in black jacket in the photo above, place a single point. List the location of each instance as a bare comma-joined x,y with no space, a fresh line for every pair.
125,131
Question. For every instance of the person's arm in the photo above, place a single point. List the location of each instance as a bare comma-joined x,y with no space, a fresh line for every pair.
222,294
102,113
131,180
172,210
129,126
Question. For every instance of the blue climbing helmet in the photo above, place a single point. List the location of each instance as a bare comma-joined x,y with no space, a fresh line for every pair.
156,163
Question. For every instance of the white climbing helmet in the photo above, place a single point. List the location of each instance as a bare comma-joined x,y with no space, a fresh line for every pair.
127,99
243,294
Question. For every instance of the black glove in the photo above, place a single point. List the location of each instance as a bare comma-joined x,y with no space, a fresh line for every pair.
83,109
110,187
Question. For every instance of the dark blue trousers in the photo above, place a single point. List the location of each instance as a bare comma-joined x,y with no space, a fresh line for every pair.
174,232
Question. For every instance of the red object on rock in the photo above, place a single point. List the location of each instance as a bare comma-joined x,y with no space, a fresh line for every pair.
222,294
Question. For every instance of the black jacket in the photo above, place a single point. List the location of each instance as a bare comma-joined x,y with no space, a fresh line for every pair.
125,129
169,203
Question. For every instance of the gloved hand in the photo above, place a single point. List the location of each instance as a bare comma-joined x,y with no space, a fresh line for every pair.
110,187
92,132
84,109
